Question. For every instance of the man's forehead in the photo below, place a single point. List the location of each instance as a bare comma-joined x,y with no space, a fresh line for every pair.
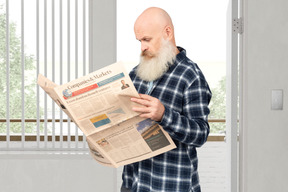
142,32
142,35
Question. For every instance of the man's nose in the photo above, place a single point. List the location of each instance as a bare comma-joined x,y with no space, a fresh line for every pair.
143,47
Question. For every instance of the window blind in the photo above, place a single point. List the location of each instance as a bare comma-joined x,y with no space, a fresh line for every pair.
51,38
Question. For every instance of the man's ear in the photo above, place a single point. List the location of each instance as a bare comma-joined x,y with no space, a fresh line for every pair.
168,32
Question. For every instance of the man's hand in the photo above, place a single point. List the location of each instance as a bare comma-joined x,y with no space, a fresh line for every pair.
151,107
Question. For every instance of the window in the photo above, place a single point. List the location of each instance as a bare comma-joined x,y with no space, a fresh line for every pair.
47,37
200,28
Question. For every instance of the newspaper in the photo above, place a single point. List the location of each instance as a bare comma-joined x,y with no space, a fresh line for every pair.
99,104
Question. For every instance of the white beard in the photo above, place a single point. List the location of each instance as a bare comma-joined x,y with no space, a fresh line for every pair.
152,68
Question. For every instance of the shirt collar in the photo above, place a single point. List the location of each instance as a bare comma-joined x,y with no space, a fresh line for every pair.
181,55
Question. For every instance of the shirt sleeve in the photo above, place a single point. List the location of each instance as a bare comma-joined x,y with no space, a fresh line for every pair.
191,125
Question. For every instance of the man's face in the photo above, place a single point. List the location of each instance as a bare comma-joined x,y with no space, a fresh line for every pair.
150,40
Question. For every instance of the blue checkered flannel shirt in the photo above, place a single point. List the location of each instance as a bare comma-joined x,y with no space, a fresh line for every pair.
185,94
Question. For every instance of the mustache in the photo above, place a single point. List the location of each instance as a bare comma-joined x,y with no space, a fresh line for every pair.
147,54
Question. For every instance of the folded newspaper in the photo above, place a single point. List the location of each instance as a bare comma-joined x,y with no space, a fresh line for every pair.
99,104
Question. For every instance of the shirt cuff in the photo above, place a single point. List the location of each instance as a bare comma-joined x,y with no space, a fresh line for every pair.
165,118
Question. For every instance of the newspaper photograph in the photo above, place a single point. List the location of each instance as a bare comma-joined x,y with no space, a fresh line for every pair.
100,105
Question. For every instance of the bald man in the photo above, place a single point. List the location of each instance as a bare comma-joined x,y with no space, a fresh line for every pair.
174,93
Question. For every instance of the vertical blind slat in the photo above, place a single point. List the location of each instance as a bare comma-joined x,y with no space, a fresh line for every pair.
7,75
76,60
84,37
68,63
61,68
38,71
84,52
53,70
23,75
45,72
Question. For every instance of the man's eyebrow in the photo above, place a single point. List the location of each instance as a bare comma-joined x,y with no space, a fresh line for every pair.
145,37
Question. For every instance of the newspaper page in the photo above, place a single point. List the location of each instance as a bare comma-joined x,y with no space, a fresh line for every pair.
99,103
48,86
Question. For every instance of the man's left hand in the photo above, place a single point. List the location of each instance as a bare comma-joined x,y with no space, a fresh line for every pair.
151,107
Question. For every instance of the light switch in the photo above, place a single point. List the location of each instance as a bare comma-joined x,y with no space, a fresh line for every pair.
277,99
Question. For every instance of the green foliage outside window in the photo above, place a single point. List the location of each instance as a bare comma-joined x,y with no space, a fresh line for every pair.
15,76
217,106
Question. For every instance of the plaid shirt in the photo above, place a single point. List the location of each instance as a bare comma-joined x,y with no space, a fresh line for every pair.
185,94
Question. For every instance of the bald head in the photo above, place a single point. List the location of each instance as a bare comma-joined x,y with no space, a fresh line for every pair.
154,17
154,21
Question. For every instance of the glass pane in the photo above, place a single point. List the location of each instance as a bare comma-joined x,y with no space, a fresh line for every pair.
61,54
200,28
3,128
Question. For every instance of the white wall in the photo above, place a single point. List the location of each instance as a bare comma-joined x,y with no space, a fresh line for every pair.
53,173
102,23
264,155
